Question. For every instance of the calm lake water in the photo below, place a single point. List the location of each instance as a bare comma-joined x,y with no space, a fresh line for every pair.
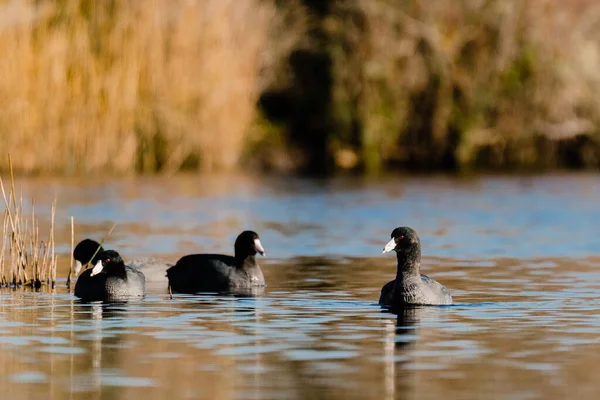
521,257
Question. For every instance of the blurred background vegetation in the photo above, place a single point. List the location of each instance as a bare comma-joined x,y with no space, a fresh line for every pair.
89,86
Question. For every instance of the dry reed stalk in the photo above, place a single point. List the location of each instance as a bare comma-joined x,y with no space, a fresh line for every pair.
4,230
103,240
21,232
52,275
12,182
13,261
22,261
84,266
71,265
45,251
7,204
35,248
25,244
32,244
16,251
16,237
36,242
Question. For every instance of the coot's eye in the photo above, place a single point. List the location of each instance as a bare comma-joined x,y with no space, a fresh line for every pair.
107,260
400,237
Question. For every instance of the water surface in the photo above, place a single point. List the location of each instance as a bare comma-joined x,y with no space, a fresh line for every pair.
520,256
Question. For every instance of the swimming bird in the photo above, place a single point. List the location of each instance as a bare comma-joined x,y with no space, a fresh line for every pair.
216,272
154,270
110,279
410,286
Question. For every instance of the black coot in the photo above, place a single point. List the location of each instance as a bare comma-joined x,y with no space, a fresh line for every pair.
216,272
110,279
410,286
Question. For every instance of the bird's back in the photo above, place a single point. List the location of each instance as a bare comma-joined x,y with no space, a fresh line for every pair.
201,273
423,291
435,292
134,284
154,270
109,287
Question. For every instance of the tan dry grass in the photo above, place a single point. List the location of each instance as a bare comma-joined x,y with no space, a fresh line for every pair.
128,86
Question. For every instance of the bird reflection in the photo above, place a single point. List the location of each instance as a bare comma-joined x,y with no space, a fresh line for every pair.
407,319
93,320
247,292
400,339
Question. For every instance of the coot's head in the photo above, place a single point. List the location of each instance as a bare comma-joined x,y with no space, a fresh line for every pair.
86,251
403,239
248,244
109,262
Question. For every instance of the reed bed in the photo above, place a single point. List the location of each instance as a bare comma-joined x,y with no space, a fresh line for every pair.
123,87
129,86
25,258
